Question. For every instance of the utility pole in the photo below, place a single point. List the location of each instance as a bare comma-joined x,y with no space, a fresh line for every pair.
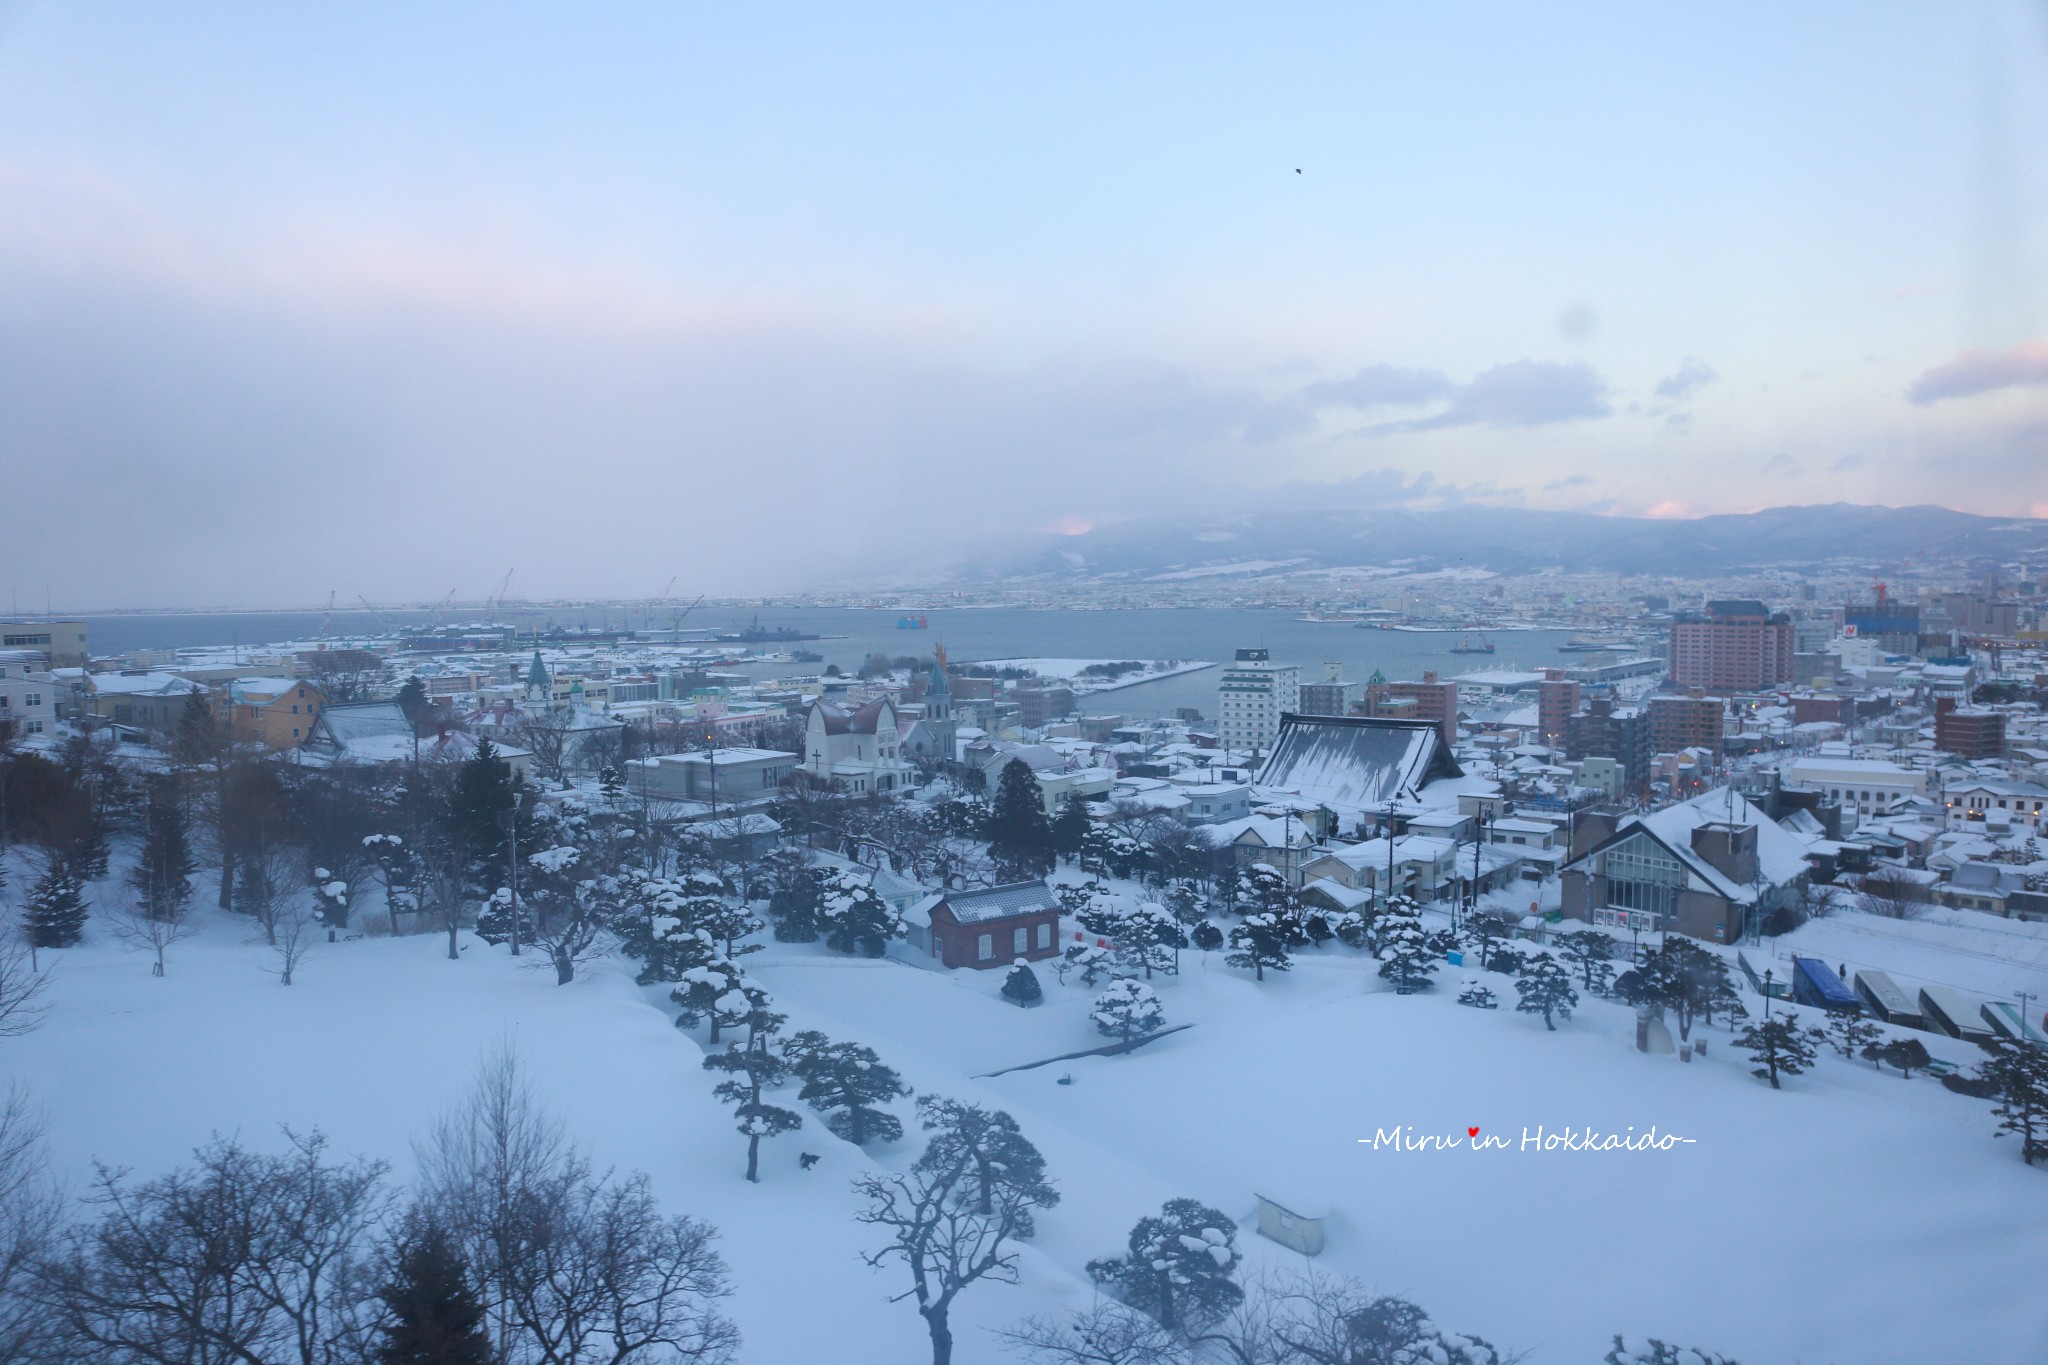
2024,997
512,865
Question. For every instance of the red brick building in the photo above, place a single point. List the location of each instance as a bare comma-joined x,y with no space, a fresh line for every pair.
1737,646
994,926
1557,697
1686,723
1430,700
1968,731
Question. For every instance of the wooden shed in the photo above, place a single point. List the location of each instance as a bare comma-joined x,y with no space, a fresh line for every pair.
1293,1221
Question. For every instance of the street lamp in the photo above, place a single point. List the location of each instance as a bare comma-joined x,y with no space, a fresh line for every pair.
1767,994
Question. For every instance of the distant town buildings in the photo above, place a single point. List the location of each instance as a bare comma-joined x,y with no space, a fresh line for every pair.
1737,645
63,642
1329,696
1432,700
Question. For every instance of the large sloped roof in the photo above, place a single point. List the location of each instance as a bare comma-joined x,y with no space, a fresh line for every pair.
840,721
355,721
1000,902
1350,763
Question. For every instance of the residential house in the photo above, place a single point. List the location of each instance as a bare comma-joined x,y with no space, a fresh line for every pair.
855,750
990,927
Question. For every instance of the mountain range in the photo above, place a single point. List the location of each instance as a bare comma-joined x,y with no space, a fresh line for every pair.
1836,536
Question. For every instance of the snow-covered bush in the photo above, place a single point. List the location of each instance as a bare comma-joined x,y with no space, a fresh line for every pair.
1128,1009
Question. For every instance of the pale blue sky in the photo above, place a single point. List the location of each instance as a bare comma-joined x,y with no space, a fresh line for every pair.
574,277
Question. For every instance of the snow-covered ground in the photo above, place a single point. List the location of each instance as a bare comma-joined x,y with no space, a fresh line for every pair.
1069,671
1851,1217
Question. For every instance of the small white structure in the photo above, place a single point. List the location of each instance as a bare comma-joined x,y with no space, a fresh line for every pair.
1293,1221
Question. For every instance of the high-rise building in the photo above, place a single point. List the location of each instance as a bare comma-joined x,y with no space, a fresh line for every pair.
1971,732
1686,723
1556,698
1736,646
1430,700
1252,696
1601,729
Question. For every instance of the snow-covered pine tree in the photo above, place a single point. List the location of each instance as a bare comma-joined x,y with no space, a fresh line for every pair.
728,922
1260,942
847,1083
2018,1074
752,1067
856,920
1019,834
54,916
1092,962
1477,996
432,1314
1149,940
1546,989
1779,1046
1180,1267
1127,1010
1021,986
1852,1034
797,899
1906,1054
716,991
1405,960
1207,937
1639,1351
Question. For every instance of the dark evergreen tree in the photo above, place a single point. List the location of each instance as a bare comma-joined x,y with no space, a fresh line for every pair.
1590,953
1180,1266
996,1156
1207,937
55,914
752,1067
1477,996
1852,1034
412,699
484,797
1021,986
1020,837
198,738
1546,989
162,875
1779,1046
847,1083
1904,1053
434,1317
1070,827
1260,943
2017,1073
797,903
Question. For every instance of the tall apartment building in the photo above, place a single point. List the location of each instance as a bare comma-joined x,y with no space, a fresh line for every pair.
1736,646
1686,723
1252,696
1330,697
1971,732
1603,730
63,641
1556,698
1430,700
1038,706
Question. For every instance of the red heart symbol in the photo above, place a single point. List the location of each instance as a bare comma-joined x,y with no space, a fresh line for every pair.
1471,1132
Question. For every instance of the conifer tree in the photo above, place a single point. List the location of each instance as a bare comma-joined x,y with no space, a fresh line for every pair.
435,1318
752,1067
857,920
1903,1053
1207,937
846,1082
797,903
162,875
1069,828
1546,989
1779,1046
1405,959
1021,986
55,914
1589,952
1020,838
1477,996
1852,1034
1128,1010
1179,1268
1260,943
2018,1074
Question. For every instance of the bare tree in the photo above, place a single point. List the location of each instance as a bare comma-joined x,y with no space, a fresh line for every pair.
270,883
295,935
1889,892
134,925
546,735
22,987
30,1213
240,1257
1105,1333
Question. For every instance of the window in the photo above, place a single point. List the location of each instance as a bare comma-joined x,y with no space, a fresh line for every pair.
32,699
1045,936
1020,940
987,947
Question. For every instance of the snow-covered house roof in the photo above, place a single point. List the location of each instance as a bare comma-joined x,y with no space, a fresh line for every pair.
998,902
1780,856
1350,763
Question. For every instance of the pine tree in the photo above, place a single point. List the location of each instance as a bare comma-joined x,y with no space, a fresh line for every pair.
996,1156
1637,1351
1070,827
1589,952
1020,837
846,1082
485,793
1128,1010
412,699
2018,1074
55,914
1021,986
1405,959
797,903
716,990
1179,1268
1207,937
857,920
1477,996
1260,943
1546,989
435,1318
752,1067
1779,1046
1903,1053
162,875
1852,1034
